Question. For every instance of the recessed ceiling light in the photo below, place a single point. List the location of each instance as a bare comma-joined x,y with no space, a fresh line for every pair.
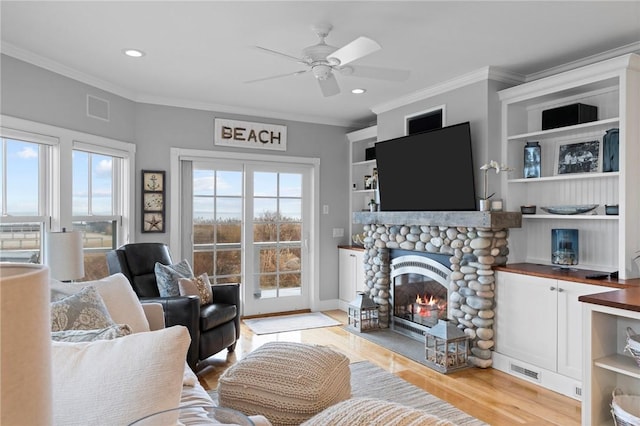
134,53
358,91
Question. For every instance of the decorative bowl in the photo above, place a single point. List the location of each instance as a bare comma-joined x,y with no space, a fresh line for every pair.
569,209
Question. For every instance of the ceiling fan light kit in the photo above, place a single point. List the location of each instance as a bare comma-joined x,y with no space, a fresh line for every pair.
323,59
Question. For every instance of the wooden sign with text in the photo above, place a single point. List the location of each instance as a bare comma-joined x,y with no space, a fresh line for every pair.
246,134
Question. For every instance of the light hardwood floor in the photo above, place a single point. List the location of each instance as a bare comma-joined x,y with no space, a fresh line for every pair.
488,394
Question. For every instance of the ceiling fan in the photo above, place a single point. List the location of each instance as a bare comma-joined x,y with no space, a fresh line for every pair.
324,60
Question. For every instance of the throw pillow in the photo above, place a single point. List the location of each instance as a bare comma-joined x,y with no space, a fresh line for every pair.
197,286
121,301
116,382
84,310
167,277
109,333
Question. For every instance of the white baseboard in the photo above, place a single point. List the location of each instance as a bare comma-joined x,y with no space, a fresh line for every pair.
547,379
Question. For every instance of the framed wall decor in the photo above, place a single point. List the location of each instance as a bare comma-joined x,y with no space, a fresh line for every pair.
153,201
579,157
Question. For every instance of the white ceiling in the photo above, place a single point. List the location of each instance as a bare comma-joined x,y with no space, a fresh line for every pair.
199,54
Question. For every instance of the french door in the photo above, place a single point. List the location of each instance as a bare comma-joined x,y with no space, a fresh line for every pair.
251,224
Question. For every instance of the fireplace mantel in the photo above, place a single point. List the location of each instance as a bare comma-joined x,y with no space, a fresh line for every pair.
475,219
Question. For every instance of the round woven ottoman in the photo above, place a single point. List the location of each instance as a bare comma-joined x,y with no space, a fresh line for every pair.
286,382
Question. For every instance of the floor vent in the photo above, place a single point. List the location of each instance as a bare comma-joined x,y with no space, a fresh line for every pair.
525,372
578,391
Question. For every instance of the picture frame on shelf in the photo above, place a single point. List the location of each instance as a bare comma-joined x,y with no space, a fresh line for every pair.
153,201
578,157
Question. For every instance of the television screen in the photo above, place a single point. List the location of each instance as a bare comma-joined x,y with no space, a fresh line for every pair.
428,171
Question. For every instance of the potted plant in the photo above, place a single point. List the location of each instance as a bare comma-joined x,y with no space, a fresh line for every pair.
485,204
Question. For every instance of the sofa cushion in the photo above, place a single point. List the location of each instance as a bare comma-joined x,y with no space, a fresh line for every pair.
84,310
369,411
167,277
113,332
197,286
118,296
115,382
286,382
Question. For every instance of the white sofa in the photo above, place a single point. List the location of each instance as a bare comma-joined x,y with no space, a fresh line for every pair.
118,381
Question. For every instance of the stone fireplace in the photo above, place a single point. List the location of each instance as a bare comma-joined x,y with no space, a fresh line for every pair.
473,242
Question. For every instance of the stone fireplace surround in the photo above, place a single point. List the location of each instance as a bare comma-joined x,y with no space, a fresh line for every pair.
476,241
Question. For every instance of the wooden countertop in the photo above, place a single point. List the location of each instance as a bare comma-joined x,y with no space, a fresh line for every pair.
579,276
351,247
628,299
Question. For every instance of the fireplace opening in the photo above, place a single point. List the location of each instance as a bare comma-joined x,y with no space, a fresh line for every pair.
419,291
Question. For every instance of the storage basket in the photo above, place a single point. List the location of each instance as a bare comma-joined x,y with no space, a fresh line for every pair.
625,409
633,345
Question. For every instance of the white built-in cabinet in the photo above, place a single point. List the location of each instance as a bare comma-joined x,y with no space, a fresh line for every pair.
359,141
607,242
538,328
351,274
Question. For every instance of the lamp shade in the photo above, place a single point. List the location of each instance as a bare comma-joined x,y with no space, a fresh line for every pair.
64,256
25,338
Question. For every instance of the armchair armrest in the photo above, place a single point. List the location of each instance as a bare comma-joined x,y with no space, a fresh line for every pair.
229,294
182,310
155,315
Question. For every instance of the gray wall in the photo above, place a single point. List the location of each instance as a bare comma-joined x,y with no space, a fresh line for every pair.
477,103
35,94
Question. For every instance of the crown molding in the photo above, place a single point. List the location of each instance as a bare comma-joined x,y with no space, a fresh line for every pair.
482,74
589,60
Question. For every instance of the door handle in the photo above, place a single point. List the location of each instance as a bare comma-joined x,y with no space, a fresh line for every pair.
552,288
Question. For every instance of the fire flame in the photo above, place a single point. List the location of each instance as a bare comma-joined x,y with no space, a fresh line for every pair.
427,305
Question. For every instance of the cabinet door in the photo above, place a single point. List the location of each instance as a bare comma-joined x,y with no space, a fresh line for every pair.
570,326
526,318
347,274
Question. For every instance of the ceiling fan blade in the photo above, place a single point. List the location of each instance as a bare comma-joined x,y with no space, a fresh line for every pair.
358,48
329,86
282,55
377,73
277,76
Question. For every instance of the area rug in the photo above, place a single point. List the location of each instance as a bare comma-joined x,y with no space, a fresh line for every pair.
283,323
395,342
370,381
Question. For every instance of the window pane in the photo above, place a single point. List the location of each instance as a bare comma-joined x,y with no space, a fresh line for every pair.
80,183
290,284
229,231
268,260
291,231
228,262
264,232
203,182
289,259
228,208
97,238
22,174
265,184
101,185
203,231
20,242
290,185
203,262
265,209
229,183
291,209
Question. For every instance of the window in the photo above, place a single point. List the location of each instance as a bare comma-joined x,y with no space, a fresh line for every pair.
95,208
55,178
23,170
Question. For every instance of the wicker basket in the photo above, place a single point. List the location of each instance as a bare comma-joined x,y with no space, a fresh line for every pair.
633,345
625,409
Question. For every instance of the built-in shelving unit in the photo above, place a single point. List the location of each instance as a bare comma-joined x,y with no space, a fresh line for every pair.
359,141
607,242
607,366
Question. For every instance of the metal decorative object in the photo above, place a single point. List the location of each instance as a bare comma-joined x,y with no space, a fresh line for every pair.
446,347
363,314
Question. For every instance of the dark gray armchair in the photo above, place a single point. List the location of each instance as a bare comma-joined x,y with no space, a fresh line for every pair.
212,327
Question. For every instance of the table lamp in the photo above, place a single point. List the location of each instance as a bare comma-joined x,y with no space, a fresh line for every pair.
64,255
25,338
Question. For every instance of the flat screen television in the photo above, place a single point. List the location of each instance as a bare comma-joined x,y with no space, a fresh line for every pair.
427,171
